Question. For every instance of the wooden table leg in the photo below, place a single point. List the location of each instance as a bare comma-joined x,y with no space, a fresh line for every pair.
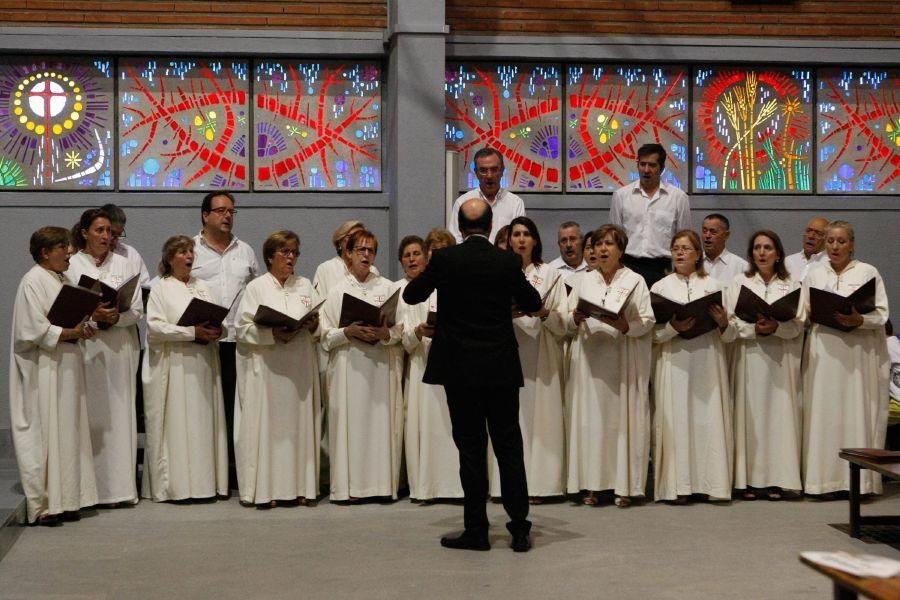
854,503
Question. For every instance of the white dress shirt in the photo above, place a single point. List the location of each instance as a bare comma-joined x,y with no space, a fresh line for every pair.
135,262
798,265
725,267
226,274
650,222
505,207
564,269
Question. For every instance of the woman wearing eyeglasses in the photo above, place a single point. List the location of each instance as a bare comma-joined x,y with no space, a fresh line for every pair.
693,441
111,361
278,429
365,400
47,393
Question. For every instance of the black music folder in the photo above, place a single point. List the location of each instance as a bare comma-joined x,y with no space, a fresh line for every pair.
72,304
119,297
749,306
269,317
664,309
353,309
823,304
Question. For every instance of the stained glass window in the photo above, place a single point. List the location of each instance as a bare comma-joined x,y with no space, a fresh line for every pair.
858,131
56,123
752,130
317,125
513,108
183,124
611,111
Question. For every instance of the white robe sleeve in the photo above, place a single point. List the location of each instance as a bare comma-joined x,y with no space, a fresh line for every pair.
31,328
159,328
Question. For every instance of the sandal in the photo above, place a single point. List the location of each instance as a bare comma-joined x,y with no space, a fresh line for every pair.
775,494
623,501
749,495
589,499
535,500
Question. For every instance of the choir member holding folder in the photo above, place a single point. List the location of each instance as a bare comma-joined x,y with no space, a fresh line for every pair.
46,386
846,371
186,455
278,415
432,461
111,356
540,337
607,393
693,444
765,311
364,378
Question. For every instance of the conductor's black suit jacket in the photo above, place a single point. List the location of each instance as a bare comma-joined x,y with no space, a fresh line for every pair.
474,344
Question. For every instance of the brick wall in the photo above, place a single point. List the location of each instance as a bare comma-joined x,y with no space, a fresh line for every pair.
279,14
860,19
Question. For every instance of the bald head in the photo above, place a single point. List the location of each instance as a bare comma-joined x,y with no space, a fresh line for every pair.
814,236
475,216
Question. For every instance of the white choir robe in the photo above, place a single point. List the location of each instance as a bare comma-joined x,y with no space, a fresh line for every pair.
607,393
277,437
541,413
365,398
432,460
693,435
846,379
47,405
111,363
765,385
184,413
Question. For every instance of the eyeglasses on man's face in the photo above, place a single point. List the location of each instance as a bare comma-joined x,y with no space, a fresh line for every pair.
117,233
222,211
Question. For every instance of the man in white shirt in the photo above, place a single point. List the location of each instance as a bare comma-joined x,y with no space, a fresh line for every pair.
116,235
505,205
571,255
227,264
651,213
717,260
812,252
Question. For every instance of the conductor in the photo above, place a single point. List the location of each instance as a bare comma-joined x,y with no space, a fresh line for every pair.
475,357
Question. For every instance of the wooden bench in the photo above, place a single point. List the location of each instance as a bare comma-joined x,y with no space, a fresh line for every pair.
858,459
849,587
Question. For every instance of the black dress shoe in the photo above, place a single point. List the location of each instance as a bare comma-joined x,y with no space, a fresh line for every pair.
467,541
521,542
48,521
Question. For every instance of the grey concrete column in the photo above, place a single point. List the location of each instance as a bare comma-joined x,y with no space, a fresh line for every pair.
414,119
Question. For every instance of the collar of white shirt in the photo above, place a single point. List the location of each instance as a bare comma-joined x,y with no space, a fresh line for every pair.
663,189
231,244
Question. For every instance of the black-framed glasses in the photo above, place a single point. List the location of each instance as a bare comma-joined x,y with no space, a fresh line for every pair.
120,235
288,252
364,250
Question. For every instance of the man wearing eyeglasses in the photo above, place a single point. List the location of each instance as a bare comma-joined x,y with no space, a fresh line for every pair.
117,234
227,264
505,205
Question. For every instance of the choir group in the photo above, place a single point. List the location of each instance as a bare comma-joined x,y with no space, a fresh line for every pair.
724,399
